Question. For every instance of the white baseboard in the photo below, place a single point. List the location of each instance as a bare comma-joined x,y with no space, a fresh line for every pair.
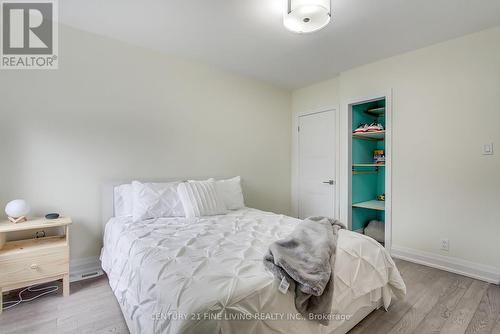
478,271
80,269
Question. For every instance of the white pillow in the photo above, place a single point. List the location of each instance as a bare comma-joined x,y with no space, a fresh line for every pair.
231,193
200,198
376,230
123,200
155,200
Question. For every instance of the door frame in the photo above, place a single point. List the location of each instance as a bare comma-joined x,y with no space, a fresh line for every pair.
388,159
336,147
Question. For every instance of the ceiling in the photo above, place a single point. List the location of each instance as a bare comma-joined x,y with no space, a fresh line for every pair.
248,37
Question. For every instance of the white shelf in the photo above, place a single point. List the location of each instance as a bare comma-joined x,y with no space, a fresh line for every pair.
368,165
378,135
372,205
377,112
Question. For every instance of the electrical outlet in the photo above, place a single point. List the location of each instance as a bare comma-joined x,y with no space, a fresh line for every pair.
445,245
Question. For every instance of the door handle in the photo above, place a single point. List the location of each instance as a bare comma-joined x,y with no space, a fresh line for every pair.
330,182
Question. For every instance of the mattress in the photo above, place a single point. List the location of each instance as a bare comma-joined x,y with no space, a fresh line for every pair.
206,275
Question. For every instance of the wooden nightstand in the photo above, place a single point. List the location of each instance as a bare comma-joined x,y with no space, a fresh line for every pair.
33,261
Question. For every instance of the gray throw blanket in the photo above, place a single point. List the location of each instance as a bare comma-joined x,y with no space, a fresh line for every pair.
305,259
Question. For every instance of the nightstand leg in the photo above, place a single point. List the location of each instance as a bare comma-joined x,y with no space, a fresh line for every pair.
66,285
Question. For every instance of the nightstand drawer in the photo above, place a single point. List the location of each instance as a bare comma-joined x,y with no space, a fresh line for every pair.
31,266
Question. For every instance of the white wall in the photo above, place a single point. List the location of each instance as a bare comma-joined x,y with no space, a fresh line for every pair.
318,97
446,105
114,111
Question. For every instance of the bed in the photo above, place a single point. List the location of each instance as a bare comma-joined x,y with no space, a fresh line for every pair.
206,275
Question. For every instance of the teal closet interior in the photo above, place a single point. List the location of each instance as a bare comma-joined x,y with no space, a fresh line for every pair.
368,177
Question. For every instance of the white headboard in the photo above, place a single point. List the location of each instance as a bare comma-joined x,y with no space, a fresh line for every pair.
108,200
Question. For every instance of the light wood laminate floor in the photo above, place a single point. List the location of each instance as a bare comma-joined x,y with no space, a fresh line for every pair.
437,302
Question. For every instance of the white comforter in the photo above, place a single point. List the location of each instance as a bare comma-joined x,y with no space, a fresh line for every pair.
174,275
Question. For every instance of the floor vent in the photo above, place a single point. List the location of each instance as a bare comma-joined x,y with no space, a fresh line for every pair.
86,275
93,274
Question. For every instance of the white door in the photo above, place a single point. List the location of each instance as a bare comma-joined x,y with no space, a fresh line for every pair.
316,186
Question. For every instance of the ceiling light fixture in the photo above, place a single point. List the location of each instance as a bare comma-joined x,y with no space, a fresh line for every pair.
305,16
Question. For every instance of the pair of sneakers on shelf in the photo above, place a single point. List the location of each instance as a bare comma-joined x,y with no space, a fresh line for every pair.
374,127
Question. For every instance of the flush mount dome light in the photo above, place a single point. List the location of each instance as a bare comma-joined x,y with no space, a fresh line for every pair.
304,16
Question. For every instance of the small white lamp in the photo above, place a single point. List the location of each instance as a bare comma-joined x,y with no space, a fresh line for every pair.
17,210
